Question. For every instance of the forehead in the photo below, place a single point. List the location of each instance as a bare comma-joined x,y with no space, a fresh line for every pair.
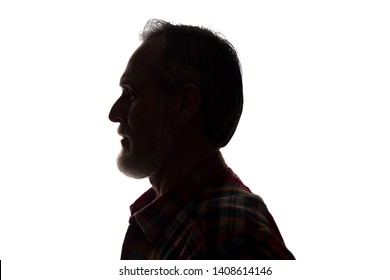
143,65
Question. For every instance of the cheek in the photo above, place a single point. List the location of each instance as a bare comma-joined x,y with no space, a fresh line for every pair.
143,121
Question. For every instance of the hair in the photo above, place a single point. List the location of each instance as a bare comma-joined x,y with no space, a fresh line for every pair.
201,56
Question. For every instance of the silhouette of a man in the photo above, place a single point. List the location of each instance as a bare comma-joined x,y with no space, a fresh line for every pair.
181,102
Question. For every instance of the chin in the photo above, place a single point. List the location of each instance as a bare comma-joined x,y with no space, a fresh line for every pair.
145,161
138,166
130,166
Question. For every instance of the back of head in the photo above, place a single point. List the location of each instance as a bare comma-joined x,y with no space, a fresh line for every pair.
200,56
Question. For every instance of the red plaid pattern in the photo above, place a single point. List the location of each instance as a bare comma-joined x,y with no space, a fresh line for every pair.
211,214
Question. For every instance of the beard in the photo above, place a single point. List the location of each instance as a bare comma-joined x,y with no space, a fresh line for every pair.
137,161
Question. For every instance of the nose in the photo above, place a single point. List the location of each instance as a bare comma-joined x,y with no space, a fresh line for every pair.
118,111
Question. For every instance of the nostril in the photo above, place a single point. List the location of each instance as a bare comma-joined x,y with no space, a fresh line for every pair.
114,118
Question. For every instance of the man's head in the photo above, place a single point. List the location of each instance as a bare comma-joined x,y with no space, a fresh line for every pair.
181,79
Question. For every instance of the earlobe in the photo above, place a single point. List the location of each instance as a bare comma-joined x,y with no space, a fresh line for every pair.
190,97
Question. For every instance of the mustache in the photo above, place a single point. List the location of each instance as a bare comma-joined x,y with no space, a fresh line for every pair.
123,131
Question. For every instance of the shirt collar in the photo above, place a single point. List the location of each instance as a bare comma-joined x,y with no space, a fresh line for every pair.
152,213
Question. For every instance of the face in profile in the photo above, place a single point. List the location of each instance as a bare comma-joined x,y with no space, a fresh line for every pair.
140,111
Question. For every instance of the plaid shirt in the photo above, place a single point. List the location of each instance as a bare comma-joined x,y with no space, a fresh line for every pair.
209,215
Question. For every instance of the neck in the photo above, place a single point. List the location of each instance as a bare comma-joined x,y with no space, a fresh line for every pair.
180,163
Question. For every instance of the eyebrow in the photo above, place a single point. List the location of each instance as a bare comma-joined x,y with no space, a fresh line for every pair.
126,84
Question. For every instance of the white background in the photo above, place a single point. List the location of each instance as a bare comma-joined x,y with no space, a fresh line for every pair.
313,139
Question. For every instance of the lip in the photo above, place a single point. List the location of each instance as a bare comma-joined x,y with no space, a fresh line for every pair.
125,142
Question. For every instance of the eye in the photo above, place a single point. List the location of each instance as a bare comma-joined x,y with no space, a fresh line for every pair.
128,93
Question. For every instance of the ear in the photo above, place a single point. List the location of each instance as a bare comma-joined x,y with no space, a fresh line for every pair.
189,98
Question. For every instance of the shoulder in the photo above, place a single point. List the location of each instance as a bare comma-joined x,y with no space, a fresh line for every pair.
226,207
236,223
